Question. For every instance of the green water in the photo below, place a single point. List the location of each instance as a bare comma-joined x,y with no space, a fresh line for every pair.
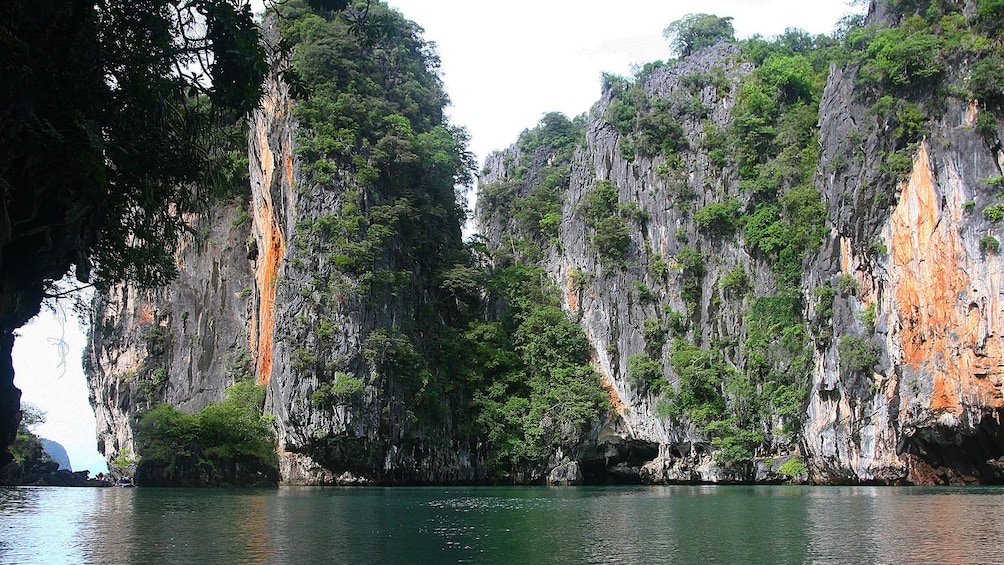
503,525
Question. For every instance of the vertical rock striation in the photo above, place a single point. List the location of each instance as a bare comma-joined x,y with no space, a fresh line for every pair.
929,411
183,344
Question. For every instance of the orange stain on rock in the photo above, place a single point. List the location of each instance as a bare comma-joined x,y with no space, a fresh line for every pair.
271,249
941,332
267,273
615,399
573,296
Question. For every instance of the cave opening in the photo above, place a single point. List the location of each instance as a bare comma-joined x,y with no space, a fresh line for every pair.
974,459
619,464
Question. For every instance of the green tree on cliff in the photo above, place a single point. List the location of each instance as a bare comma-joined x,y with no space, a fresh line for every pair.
116,118
696,31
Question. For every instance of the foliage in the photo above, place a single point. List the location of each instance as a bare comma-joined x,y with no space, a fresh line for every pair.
701,374
994,212
27,449
658,267
342,386
691,265
655,336
579,279
535,203
774,130
373,116
222,431
903,57
989,244
612,238
128,117
736,281
794,467
696,31
719,218
533,387
868,316
601,210
824,306
660,132
645,294
857,354
847,284
645,373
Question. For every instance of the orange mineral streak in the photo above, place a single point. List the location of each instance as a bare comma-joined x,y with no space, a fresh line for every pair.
942,332
266,275
573,295
615,398
271,250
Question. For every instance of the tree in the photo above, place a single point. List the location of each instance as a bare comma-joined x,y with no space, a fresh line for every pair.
27,449
696,31
117,117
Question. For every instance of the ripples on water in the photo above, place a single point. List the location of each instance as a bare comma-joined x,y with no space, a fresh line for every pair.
504,524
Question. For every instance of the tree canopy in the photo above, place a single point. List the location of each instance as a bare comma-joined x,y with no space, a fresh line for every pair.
696,31
116,118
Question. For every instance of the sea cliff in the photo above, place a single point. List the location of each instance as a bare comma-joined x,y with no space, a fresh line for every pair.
765,261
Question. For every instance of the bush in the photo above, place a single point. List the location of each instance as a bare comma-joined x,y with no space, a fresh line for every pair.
989,244
701,373
857,354
794,467
645,294
719,218
696,31
868,316
824,305
735,281
847,284
655,336
342,387
645,373
612,238
994,212
222,432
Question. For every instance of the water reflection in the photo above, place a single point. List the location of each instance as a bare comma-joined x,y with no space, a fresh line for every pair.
906,525
515,525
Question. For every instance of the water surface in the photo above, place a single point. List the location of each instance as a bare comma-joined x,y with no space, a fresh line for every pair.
700,524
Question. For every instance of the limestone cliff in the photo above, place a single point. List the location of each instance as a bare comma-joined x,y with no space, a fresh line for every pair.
324,284
893,324
617,301
183,344
776,280
927,297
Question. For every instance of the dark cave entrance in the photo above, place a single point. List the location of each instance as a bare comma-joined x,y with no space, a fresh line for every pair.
972,459
618,464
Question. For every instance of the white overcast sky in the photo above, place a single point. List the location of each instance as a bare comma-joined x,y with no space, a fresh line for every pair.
504,64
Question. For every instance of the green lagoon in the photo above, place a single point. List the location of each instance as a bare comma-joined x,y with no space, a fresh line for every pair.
670,524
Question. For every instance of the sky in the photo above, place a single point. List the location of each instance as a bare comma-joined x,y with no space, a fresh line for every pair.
504,65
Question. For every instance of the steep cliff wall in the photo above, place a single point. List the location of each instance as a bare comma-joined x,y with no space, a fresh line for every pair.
890,326
183,344
622,296
927,301
759,279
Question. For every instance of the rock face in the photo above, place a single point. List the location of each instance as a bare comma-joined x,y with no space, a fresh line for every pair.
183,344
879,361
268,293
57,453
929,410
637,444
919,299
